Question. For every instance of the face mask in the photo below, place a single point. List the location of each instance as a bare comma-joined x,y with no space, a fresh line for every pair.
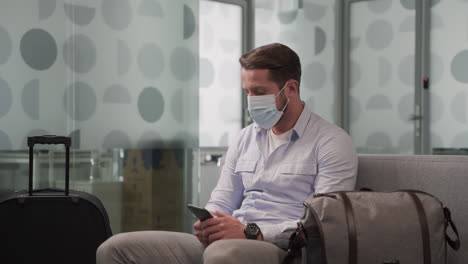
262,109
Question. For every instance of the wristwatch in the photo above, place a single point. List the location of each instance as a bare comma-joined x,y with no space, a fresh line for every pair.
252,231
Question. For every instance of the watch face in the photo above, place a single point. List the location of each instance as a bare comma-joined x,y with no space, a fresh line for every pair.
252,231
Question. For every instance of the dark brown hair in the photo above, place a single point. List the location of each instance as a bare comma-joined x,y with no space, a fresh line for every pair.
281,61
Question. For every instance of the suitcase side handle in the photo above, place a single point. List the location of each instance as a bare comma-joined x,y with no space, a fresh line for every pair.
55,140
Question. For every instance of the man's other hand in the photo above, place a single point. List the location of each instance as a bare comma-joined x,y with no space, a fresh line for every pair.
199,233
222,226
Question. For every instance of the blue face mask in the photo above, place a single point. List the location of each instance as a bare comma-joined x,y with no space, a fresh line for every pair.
262,109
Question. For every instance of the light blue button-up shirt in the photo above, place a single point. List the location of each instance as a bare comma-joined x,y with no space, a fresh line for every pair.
269,191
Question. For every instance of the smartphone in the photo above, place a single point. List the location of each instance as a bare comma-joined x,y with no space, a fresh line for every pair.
201,213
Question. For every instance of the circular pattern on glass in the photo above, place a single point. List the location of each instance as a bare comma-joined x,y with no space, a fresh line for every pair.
75,139
320,40
189,22
5,142
379,141
46,8
379,6
38,49
151,60
207,72
183,64
80,101
379,102
78,14
6,98
5,46
117,139
117,94
315,76
406,70
117,14
151,104
30,99
459,66
79,53
355,73
405,107
151,8
379,34
150,140
177,105
459,108
385,71
287,17
123,57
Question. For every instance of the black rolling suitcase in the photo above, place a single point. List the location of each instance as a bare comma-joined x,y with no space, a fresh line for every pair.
51,225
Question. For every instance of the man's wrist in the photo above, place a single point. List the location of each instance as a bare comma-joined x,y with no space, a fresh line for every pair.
252,231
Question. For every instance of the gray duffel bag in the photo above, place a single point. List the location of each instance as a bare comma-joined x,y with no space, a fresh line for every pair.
366,227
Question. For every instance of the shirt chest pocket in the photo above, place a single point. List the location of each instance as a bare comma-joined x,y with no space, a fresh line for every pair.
246,170
298,176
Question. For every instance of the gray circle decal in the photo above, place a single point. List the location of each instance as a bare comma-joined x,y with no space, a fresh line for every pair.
80,15
379,102
80,101
189,22
75,139
406,70
5,142
408,4
380,142
6,98
117,14
459,108
183,64
117,139
320,40
379,6
38,49
30,99
117,94
151,8
379,34
151,104
355,74
314,12
287,17
459,66
150,140
79,53
5,46
385,71
177,105
405,107
151,60
46,8
315,76
408,24
207,73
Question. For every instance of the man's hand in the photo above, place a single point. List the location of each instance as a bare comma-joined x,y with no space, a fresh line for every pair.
199,233
222,226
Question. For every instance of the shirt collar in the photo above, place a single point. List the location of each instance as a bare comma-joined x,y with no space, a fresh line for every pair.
299,127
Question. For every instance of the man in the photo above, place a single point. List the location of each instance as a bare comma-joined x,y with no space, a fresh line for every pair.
274,164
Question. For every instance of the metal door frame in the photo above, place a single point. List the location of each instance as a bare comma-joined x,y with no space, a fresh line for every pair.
422,137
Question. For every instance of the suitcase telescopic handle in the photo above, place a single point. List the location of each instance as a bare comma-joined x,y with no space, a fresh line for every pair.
50,140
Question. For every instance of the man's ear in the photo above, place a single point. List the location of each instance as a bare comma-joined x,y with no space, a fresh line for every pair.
292,88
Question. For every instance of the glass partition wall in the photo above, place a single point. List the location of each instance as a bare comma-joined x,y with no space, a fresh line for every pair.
120,78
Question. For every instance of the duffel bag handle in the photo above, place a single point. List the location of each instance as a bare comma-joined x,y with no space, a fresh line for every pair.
55,140
455,244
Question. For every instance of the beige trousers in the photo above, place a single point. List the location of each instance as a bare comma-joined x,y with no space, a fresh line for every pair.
171,247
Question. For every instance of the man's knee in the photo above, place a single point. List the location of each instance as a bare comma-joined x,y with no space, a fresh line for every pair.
109,250
222,251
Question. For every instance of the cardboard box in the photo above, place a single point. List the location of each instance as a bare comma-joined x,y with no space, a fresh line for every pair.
153,190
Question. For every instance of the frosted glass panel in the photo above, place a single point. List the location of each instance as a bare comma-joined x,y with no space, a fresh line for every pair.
308,27
220,85
449,64
382,38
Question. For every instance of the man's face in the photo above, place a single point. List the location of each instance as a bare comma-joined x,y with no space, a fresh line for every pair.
256,82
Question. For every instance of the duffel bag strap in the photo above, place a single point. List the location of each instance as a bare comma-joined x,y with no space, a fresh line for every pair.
455,244
297,241
351,223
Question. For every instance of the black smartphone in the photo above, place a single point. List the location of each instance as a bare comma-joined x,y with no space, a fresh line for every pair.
201,213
